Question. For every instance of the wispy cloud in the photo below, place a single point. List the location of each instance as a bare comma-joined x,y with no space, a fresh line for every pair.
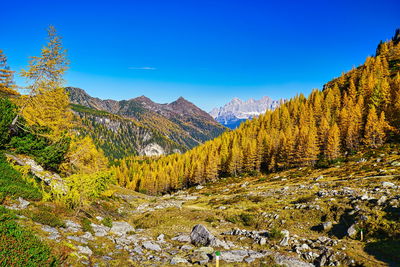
142,68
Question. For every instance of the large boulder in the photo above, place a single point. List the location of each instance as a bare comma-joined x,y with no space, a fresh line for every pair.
200,236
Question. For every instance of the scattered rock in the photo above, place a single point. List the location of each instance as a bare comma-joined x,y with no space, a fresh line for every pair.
326,226
160,238
199,187
186,247
395,164
182,238
262,241
199,257
290,261
284,242
151,246
121,228
234,255
352,231
72,226
100,230
388,185
200,236
178,260
84,250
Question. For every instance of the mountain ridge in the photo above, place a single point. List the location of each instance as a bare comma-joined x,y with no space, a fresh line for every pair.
181,124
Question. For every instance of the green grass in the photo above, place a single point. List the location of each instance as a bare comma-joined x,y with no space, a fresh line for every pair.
12,183
20,247
47,218
107,222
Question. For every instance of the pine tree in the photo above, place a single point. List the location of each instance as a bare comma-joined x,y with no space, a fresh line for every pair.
333,143
48,104
374,135
7,85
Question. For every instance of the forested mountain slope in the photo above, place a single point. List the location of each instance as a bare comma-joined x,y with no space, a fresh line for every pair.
140,126
359,109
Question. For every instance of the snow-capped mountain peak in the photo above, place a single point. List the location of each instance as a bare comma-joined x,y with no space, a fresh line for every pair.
237,110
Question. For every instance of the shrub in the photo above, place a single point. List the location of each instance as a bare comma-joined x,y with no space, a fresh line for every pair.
13,184
19,247
87,225
275,234
8,113
46,153
47,218
85,187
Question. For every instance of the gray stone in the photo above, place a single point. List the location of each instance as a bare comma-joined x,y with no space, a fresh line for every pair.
285,233
151,246
186,247
395,164
178,260
84,250
72,226
23,204
88,236
100,230
199,187
388,185
182,238
326,226
200,236
352,231
199,258
262,241
160,238
234,255
284,242
121,228
291,261
77,239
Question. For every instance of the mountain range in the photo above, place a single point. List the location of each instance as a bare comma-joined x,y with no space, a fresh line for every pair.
142,127
237,110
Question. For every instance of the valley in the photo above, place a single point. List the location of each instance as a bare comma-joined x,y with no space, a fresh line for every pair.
308,180
345,214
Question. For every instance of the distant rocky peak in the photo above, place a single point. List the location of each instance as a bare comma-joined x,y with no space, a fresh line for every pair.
238,110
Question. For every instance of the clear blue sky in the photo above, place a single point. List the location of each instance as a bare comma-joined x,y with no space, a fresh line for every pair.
206,51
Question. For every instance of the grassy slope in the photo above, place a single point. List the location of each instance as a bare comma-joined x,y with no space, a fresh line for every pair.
248,202
19,246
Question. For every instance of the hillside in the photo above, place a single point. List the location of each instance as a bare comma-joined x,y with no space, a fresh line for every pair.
140,126
298,217
237,111
358,110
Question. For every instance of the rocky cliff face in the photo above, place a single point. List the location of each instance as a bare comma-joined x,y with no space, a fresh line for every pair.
237,110
141,126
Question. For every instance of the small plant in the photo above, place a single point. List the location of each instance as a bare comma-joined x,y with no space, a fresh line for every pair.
107,221
87,225
47,218
275,234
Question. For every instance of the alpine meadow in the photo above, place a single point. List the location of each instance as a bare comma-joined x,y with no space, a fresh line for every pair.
108,157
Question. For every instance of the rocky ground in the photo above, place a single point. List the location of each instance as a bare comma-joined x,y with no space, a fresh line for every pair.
300,217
